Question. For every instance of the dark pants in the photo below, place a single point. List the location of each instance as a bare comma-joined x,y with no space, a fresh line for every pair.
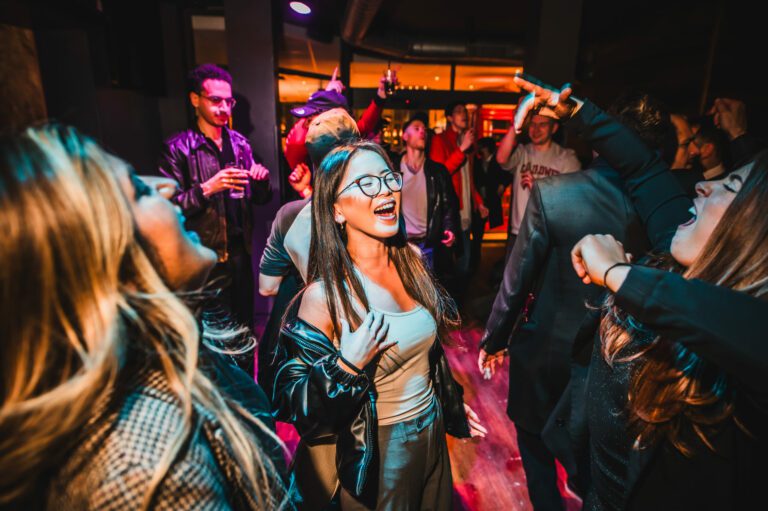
233,279
414,468
540,471
478,230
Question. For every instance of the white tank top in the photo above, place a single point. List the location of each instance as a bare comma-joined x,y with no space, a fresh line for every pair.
402,380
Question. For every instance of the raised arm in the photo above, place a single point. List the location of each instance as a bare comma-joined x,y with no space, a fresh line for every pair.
654,191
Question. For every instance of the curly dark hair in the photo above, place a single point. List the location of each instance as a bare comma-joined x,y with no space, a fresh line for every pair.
649,118
205,72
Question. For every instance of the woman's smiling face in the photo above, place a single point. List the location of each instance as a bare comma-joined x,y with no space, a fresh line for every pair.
713,199
376,216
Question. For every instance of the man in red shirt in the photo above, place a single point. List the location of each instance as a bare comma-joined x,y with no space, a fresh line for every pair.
453,148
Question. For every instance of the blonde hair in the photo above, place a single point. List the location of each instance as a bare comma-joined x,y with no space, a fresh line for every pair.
78,293
672,390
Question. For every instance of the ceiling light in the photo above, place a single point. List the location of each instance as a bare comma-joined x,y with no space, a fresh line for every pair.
300,7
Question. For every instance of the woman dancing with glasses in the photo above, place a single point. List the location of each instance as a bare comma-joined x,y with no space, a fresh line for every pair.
367,373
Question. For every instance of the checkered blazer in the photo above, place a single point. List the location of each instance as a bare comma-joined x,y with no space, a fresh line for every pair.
112,467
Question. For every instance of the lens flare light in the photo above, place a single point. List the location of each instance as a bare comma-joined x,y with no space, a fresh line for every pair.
300,8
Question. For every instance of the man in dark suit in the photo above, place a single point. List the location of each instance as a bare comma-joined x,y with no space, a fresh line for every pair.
541,302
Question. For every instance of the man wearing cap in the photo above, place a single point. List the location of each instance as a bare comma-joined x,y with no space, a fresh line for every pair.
210,162
429,203
319,102
283,267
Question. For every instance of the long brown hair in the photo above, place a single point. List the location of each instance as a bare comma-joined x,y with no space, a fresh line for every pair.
78,295
331,264
672,390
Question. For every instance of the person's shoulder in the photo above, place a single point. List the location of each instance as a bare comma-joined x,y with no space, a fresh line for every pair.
434,166
113,467
181,139
314,308
288,213
236,137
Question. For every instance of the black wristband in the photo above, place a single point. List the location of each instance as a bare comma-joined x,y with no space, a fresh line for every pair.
614,265
351,365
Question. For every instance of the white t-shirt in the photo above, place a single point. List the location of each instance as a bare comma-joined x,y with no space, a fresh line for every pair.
527,160
414,198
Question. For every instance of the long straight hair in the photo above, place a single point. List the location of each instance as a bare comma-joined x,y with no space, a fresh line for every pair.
672,390
77,296
331,264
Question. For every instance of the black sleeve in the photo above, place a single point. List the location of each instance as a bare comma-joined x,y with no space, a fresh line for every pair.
722,325
520,273
656,194
190,196
318,397
743,149
451,220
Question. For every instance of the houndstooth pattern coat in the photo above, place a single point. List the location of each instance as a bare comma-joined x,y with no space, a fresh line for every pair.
112,468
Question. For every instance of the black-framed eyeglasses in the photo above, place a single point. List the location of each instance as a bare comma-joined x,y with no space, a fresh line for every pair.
370,185
216,100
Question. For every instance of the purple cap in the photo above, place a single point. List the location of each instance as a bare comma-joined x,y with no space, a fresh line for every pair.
319,102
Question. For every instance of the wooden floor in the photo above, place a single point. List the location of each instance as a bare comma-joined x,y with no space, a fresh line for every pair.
487,473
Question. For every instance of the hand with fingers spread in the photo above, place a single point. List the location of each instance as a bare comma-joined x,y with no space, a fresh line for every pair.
595,254
475,428
488,363
226,179
543,99
730,115
360,347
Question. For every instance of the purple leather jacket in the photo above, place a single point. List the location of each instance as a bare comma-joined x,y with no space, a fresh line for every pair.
189,160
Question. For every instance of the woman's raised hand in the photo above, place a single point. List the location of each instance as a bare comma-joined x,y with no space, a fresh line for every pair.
543,99
362,345
594,254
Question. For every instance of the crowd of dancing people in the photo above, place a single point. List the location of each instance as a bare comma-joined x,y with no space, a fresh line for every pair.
627,310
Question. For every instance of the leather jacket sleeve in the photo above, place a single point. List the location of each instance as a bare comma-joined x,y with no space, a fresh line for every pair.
311,391
190,196
450,201
657,195
520,273
718,323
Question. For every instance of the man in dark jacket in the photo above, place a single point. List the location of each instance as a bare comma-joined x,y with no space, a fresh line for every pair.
219,182
429,204
540,304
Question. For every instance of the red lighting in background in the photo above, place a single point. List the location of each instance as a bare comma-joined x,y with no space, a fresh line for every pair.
300,7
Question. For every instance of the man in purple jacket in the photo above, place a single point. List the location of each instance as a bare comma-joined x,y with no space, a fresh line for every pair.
219,182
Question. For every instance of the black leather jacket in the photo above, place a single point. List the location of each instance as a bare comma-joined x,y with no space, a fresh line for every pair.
190,160
442,203
323,401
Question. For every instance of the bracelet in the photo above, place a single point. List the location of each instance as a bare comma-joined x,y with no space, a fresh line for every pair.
351,365
306,192
614,265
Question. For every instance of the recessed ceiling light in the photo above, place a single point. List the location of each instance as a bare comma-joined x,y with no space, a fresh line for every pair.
300,7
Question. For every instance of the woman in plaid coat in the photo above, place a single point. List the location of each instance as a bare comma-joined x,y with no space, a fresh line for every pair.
102,404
